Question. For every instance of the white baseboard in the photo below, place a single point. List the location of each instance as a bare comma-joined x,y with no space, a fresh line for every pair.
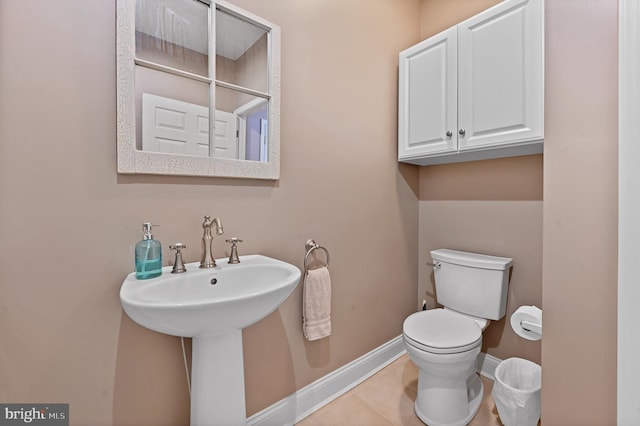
305,401
487,365
302,403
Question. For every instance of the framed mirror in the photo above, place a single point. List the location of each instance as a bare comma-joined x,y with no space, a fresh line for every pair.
198,90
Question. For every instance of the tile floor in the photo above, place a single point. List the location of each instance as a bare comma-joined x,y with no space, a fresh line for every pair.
386,399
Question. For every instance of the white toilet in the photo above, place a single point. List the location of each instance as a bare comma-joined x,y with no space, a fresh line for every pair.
445,343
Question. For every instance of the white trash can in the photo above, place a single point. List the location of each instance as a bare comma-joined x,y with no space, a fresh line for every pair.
516,392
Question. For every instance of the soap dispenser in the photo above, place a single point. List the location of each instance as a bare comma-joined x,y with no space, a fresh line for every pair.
148,255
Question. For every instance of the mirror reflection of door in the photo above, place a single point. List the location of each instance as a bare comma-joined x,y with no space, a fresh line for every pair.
178,86
226,141
174,127
177,127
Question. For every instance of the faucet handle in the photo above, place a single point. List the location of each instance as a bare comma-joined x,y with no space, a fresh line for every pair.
178,264
234,250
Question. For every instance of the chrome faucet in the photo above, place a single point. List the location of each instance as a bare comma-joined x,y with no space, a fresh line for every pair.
208,261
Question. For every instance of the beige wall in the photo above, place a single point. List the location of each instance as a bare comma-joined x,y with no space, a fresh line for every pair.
69,222
580,214
438,15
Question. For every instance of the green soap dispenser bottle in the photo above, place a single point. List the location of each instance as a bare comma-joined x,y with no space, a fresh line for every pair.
148,255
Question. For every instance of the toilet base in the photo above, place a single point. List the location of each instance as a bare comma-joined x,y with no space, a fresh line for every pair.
475,392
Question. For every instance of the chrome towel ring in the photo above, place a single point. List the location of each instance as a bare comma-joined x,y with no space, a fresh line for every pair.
311,246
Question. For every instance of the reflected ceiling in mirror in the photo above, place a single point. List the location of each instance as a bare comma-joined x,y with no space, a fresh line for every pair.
174,33
198,90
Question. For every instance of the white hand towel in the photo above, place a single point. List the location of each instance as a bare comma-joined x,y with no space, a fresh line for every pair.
316,304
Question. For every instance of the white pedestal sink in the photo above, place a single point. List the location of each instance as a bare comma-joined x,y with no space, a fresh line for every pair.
212,306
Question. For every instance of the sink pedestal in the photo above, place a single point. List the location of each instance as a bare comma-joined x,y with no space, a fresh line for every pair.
217,380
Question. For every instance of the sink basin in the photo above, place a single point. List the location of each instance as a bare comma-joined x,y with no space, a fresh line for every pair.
207,302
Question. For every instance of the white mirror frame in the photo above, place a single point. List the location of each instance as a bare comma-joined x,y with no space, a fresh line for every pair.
134,161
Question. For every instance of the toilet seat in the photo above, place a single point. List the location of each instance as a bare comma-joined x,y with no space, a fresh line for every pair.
441,331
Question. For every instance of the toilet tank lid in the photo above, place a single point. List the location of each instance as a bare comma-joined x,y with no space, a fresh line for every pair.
473,260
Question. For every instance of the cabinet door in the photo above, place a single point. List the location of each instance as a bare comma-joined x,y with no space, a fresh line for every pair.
427,97
500,75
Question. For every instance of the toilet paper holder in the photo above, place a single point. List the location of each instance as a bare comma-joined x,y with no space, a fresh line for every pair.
526,322
531,326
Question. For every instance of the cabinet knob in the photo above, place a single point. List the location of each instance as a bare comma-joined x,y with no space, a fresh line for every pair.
449,133
462,132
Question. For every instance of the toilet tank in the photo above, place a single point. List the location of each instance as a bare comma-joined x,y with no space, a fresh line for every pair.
471,283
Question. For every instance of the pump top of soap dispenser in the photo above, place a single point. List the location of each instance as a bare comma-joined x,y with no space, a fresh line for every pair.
146,228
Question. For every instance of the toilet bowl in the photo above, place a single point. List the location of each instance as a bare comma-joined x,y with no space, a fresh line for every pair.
444,343
445,347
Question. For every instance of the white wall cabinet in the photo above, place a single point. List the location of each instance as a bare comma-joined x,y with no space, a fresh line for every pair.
476,90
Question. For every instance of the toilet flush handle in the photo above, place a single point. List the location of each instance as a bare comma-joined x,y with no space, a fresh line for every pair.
435,265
